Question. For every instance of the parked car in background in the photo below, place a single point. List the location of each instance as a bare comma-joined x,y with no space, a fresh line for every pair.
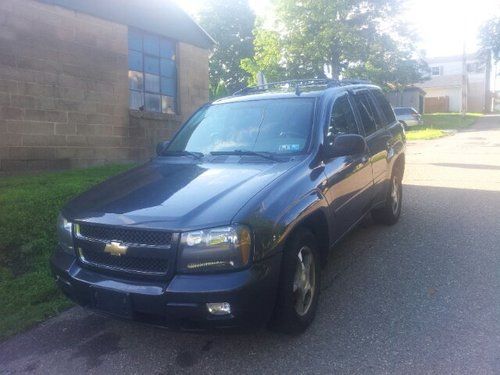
231,223
408,116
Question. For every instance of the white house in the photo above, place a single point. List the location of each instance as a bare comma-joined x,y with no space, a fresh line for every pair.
445,89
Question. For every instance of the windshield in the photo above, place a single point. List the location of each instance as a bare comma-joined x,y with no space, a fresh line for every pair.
280,126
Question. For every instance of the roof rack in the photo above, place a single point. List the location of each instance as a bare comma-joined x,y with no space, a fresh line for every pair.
297,84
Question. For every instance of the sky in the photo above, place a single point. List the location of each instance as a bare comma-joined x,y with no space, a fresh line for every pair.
441,25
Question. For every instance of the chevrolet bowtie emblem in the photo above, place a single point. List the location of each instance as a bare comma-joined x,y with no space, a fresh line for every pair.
115,248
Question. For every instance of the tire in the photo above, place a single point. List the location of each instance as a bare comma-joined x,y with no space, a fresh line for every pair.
390,212
300,284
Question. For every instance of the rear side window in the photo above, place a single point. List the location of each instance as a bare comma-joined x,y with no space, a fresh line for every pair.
369,115
384,107
342,120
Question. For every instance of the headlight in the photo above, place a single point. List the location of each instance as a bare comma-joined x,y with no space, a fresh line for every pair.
65,234
216,249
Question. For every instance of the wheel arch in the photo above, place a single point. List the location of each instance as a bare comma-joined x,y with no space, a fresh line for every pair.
317,223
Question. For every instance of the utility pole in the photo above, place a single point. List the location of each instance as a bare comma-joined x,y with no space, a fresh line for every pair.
487,86
464,81
464,64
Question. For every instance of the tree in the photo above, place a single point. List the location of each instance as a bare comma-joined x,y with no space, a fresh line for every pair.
267,58
338,38
489,38
230,23
489,42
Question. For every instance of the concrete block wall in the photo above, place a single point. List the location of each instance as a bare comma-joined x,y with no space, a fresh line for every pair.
64,91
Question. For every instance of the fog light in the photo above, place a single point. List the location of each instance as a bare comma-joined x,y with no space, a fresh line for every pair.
219,308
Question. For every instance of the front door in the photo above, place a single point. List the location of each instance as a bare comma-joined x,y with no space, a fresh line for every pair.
349,178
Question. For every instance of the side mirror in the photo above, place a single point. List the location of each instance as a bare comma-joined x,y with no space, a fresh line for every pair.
346,145
160,147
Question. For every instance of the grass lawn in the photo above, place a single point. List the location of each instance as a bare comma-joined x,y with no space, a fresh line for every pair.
435,123
28,210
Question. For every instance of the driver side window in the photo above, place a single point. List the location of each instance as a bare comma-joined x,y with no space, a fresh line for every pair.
342,119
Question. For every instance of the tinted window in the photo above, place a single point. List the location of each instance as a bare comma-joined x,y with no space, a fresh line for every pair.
384,106
342,119
277,126
369,117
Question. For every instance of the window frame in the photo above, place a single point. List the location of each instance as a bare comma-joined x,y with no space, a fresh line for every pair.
346,94
143,72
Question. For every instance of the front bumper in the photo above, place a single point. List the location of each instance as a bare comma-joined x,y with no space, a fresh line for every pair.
180,303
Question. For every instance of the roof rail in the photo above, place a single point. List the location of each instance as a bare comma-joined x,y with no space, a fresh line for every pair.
297,84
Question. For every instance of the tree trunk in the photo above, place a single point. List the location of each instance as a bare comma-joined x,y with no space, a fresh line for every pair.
487,89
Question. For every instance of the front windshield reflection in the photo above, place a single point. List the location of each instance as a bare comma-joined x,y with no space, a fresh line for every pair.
280,126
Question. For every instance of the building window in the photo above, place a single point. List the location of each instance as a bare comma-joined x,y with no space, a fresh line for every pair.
436,70
152,74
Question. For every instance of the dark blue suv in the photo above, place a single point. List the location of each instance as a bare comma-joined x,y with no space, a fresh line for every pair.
230,224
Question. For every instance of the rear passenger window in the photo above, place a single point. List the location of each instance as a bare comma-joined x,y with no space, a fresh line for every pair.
384,106
342,120
369,116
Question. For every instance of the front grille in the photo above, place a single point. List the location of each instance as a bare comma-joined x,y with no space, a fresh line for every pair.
126,235
99,258
148,252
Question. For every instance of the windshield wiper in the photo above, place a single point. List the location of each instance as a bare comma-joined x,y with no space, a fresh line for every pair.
197,155
267,155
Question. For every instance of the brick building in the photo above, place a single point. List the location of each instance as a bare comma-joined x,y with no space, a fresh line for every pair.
86,82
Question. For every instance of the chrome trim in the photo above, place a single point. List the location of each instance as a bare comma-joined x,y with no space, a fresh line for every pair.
128,244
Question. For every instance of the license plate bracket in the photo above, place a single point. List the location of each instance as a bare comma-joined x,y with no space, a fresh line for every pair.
112,302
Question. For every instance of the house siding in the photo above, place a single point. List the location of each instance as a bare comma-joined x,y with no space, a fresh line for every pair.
64,91
449,83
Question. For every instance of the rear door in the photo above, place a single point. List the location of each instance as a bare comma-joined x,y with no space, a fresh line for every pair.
377,137
394,135
349,178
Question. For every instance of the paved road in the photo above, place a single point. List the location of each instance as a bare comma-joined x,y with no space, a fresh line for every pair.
419,297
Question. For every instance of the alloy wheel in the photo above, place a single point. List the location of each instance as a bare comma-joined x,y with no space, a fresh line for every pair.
304,285
395,195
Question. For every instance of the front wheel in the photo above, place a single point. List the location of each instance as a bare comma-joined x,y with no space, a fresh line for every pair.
299,285
390,212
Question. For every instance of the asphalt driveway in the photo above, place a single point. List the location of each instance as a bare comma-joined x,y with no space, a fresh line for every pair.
422,296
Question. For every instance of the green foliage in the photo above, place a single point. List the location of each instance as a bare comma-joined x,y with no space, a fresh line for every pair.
218,91
337,38
436,124
489,39
230,23
267,58
28,209
424,134
450,120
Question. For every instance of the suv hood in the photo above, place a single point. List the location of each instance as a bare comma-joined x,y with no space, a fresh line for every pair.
175,194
